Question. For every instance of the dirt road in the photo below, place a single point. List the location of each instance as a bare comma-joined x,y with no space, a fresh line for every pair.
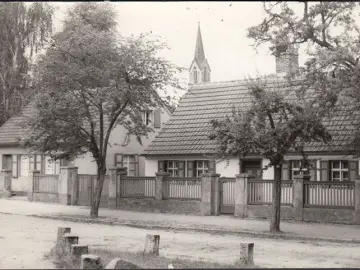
24,241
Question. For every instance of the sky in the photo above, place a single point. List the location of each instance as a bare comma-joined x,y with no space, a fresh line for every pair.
223,27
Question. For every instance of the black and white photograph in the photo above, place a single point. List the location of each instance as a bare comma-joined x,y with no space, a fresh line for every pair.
179,134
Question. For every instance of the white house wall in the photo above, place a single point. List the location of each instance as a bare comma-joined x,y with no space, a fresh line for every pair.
228,169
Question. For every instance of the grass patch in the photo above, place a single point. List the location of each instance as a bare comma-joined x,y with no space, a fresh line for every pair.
63,261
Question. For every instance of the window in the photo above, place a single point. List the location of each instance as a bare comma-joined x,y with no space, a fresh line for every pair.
131,162
339,170
296,168
51,166
147,117
201,167
195,75
172,167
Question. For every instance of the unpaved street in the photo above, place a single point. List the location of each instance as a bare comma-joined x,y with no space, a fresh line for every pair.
24,240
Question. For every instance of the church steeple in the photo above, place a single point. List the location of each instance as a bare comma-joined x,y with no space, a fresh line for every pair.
199,47
199,70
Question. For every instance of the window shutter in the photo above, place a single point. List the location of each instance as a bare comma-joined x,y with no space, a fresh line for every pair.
38,162
118,160
160,166
181,169
353,169
212,166
312,170
190,168
324,170
3,162
157,118
14,166
285,170
19,165
136,164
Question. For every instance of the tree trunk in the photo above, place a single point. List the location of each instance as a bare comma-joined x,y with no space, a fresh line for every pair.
276,198
94,212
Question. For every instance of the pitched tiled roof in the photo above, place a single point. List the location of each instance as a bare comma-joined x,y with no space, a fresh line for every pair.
11,131
186,133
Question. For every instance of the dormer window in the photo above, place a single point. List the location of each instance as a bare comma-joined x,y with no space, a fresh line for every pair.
147,117
205,74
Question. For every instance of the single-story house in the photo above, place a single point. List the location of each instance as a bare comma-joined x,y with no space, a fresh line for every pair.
184,149
20,162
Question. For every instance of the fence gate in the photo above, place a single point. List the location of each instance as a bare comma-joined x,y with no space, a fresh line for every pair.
227,195
87,185
85,189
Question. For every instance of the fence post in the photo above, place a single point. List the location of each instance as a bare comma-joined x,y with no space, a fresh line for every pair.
112,188
67,178
210,194
159,184
357,200
241,194
298,196
74,185
31,177
115,175
5,182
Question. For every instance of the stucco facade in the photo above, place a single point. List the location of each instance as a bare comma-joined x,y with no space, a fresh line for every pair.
86,164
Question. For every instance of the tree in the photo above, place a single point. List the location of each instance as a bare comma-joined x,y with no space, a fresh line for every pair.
329,32
280,118
24,29
89,81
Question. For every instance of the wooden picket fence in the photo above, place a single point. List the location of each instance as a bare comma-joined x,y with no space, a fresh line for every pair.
137,186
329,194
46,183
185,188
260,192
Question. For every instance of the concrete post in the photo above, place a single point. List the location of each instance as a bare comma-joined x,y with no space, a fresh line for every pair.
246,255
215,194
74,185
5,183
115,175
298,196
159,184
31,176
210,194
357,201
241,194
68,185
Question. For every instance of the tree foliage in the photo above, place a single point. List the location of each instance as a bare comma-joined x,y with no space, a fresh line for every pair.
330,33
24,29
282,117
89,81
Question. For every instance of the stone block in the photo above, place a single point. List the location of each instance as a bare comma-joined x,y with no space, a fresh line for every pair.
118,263
246,255
69,241
152,244
78,250
60,240
90,261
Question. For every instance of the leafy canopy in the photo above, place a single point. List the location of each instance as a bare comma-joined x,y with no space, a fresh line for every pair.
280,118
92,79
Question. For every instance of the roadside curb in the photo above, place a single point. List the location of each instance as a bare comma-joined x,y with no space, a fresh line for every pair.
137,224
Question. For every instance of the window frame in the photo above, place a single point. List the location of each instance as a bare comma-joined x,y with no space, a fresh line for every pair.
148,117
341,169
200,170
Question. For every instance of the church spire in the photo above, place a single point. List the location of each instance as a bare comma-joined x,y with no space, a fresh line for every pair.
199,47
199,70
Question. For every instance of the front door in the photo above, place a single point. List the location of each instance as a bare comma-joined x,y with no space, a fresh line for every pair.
252,167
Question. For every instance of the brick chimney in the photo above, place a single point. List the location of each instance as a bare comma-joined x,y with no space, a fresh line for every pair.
287,59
